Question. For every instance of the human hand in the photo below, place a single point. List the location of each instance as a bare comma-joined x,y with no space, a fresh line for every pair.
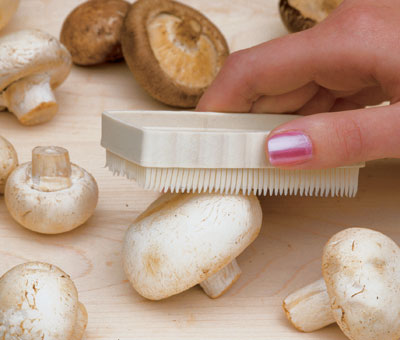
328,74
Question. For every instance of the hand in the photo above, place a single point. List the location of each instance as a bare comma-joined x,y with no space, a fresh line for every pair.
349,61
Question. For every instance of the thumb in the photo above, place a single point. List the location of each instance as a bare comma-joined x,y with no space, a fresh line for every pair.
335,139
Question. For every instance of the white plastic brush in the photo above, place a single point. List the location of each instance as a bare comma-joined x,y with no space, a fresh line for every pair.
207,152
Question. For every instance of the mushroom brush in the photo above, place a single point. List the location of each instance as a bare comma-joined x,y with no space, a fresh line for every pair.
299,15
210,152
50,195
39,301
32,64
8,161
359,289
183,240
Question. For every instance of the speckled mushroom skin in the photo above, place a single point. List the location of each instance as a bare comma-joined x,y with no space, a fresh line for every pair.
51,212
142,60
32,64
183,239
39,301
91,32
29,52
8,161
361,268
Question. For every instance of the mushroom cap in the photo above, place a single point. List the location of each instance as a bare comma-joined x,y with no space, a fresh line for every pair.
299,15
91,32
28,52
173,51
39,301
182,239
8,161
7,10
361,268
50,212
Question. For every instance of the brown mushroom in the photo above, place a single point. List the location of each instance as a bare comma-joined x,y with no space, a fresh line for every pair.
173,51
299,15
91,32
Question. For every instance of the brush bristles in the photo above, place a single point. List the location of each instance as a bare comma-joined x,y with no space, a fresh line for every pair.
272,181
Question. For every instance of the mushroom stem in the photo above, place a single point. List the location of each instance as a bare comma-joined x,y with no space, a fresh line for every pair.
31,99
51,168
309,308
221,281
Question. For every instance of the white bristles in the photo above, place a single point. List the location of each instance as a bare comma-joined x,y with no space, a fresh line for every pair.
272,181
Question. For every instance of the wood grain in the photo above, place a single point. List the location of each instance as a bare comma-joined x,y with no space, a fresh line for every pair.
285,256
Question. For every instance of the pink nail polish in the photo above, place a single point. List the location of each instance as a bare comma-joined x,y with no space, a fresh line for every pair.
291,147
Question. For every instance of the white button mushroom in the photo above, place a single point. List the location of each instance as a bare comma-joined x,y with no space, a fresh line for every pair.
8,161
50,195
361,269
185,239
32,64
39,301
7,10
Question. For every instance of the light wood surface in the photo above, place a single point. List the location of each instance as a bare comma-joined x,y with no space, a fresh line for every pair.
285,256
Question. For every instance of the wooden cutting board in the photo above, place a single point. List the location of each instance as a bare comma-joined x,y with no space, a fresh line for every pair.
285,256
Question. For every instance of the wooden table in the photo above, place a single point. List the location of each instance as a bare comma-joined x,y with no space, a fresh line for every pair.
285,256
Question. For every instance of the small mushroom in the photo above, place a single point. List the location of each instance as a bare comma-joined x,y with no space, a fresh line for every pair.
8,161
186,239
360,290
32,64
173,51
50,195
91,32
40,301
299,15
7,10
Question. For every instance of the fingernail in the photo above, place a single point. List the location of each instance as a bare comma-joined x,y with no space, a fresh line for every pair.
291,147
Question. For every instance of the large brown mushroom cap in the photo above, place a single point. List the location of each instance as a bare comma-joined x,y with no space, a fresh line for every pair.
299,15
173,51
91,32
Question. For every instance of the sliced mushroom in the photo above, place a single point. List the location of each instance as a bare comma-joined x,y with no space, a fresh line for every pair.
91,32
8,161
50,195
186,239
361,270
173,50
7,10
40,301
298,15
32,64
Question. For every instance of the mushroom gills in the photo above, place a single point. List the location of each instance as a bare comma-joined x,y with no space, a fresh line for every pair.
308,309
316,10
31,99
221,281
185,54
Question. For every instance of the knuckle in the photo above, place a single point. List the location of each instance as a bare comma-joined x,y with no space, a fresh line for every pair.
358,20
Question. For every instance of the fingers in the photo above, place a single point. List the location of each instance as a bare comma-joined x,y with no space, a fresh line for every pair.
323,101
338,138
288,102
273,68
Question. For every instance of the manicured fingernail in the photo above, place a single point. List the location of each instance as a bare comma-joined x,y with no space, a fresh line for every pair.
291,147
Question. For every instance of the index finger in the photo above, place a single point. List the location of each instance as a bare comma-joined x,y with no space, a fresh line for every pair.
272,68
